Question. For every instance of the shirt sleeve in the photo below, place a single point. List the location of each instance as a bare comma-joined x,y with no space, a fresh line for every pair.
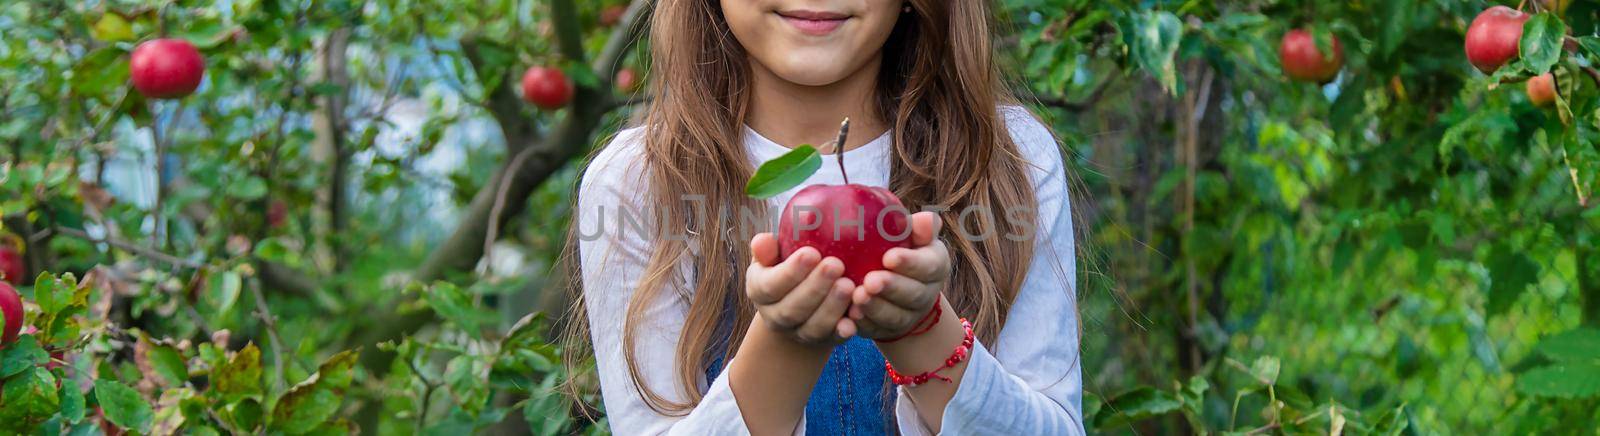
1031,383
613,251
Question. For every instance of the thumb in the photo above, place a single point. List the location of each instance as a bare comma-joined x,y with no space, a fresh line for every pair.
925,227
764,250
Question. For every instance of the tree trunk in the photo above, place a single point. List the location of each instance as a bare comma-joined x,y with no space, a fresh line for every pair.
331,151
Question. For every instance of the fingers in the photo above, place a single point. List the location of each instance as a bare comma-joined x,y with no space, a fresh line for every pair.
824,322
764,250
845,328
770,284
925,227
928,263
898,290
801,303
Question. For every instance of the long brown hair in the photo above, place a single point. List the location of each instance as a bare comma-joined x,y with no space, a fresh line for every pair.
940,89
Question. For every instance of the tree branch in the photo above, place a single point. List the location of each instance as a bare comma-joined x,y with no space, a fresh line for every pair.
331,147
131,248
571,136
1074,106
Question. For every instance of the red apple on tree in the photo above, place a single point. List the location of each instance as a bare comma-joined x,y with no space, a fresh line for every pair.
855,223
1493,37
11,266
166,68
627,80
277,213
612,15
11,310
547,88
1542,90
1303,61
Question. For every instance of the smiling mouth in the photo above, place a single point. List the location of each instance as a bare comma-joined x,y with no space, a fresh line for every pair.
814,23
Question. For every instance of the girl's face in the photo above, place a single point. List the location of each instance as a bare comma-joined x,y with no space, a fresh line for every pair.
812,42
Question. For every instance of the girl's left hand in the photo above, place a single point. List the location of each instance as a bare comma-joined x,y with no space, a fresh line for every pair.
889,303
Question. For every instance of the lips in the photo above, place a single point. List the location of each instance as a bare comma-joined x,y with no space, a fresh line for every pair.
814,22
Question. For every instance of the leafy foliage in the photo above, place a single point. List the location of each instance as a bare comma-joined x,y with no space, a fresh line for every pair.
356,224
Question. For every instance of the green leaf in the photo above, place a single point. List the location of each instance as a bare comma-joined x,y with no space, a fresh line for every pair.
276,250
1509,274
326,88
206,33
241,377
224,290
1392,422
784,172
1194,393
546,408
245,414
1541,41
1590,45
112,28
30,398
1155,39
1577,345
312,402
455,305
1265,370
122,405
1136,405
1562,380
21,355
162,360
248,188
73,406
169,416
100,72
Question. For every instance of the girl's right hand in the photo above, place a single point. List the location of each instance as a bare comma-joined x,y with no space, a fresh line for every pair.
805,296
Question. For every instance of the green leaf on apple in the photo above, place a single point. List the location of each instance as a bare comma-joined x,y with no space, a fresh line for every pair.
784,172
1541,43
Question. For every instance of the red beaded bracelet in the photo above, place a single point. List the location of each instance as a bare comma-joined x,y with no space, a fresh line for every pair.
923,325
955,358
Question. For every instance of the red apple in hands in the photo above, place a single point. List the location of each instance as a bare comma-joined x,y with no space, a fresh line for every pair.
547,88
1304,62
11,267
11,310
1542,90
1493,37
166,68
854,223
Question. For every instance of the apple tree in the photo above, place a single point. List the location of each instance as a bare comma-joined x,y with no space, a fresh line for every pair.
1295,216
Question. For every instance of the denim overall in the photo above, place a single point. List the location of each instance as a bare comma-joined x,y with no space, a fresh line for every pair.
850,398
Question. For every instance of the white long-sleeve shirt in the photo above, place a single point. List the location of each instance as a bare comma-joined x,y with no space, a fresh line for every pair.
1030,382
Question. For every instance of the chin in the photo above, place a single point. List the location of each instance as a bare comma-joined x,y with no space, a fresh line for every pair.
811,70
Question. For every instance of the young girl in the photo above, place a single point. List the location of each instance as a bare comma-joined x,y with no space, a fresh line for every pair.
697,329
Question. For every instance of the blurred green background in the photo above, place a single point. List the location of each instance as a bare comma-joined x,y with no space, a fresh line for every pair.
351,221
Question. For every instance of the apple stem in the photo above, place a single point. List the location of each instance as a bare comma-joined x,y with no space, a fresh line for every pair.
838,148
